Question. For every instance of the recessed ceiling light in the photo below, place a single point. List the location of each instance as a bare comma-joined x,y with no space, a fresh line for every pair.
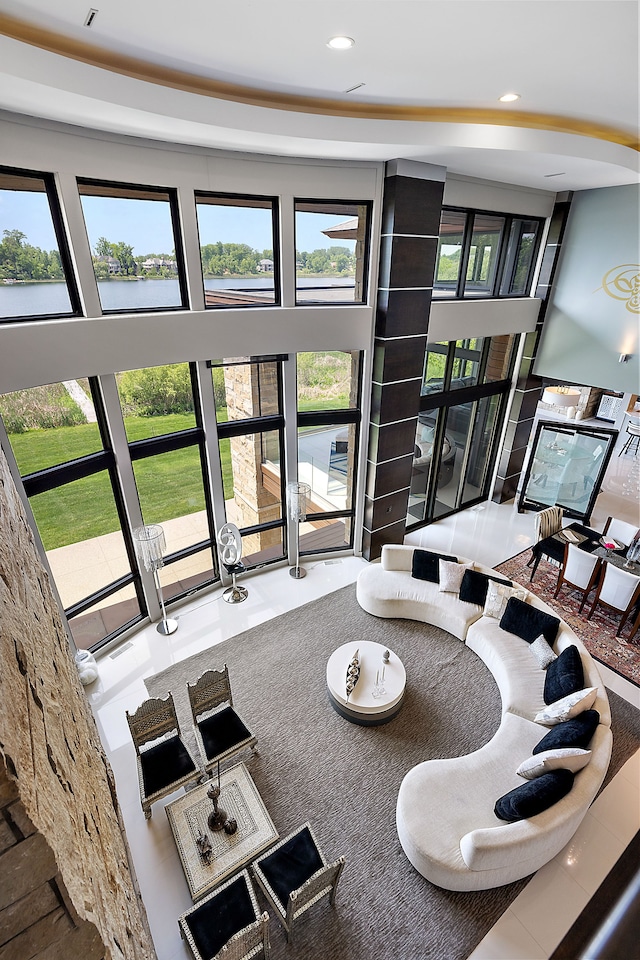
341,43
509,97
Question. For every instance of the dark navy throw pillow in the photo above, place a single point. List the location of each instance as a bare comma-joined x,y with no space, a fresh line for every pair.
527,622
564,676
425,565
534,796
474,586
576,732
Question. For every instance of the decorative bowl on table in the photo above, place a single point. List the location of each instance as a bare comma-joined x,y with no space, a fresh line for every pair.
353,672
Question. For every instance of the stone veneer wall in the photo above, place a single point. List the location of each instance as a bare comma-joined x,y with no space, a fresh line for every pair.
63,814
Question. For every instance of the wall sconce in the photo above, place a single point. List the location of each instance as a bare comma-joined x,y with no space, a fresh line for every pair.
624,358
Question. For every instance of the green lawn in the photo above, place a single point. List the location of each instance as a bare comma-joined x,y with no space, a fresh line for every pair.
169,485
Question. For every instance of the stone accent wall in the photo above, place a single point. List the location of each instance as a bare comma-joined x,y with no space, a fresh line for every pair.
60,826
36,913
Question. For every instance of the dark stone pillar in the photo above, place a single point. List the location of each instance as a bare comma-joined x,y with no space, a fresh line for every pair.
408,246
529,386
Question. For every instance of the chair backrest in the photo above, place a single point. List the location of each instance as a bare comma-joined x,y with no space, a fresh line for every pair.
209,691
618,587
620,530
548,522
154,718
321,884
579,565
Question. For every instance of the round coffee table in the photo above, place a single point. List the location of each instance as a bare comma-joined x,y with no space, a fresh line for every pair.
362,707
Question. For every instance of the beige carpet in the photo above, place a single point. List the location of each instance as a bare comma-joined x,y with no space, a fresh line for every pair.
313,765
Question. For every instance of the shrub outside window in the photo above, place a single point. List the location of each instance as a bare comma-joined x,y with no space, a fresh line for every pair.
239,250
36,279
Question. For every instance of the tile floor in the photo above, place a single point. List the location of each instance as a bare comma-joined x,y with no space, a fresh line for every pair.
534,923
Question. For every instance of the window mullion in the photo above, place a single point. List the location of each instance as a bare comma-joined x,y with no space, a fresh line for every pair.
290,408
79,247
129,492
211,445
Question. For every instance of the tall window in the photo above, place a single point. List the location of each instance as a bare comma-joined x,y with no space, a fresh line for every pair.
332,249
248,401
36,279
134,236
464,391
239,249
328,432
485,254
68,470
166,445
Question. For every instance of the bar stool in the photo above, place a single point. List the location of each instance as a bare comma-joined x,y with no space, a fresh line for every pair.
633,429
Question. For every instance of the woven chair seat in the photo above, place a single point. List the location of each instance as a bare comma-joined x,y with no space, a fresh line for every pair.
294,875
164,764
227,923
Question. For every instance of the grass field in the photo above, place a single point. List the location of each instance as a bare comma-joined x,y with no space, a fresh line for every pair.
169,485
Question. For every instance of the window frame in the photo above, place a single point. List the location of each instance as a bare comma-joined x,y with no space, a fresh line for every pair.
506,255
366,259
336,418
275,233
171,194
61,474
64,249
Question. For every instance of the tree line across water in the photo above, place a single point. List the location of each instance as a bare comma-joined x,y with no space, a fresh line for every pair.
20,260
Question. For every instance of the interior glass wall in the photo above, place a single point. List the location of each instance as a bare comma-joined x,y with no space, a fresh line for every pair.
464,394
239,249
332,243
143,244
36,279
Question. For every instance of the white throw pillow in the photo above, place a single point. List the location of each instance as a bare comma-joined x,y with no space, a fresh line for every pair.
451,575
565,758
542,652
497,596
569,706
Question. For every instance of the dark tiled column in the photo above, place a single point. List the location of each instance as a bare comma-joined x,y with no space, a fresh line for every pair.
408,246
528,386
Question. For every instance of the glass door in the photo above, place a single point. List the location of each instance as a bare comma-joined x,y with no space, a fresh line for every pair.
566,468
454,452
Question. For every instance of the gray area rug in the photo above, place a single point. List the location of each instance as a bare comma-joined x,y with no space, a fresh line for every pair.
313,765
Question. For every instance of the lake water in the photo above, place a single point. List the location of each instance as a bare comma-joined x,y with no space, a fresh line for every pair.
47,299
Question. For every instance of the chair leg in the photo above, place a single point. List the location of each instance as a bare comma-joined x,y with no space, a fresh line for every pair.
535,567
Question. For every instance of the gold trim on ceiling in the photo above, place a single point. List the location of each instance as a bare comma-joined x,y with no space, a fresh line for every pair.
149,72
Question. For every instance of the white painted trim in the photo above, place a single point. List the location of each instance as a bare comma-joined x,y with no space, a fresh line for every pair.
459,319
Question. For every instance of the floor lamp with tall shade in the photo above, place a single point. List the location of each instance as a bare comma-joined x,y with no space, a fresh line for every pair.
297,498
150,546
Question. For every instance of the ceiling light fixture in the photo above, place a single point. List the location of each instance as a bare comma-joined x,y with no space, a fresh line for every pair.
509,97
90,17
341,43
356,86
561,174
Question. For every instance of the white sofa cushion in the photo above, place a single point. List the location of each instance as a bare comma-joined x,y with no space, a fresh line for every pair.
569,706
564,758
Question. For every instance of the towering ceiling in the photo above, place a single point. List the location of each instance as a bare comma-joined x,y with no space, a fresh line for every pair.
422,80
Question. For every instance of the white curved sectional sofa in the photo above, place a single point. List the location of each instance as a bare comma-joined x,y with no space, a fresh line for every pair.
445,810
